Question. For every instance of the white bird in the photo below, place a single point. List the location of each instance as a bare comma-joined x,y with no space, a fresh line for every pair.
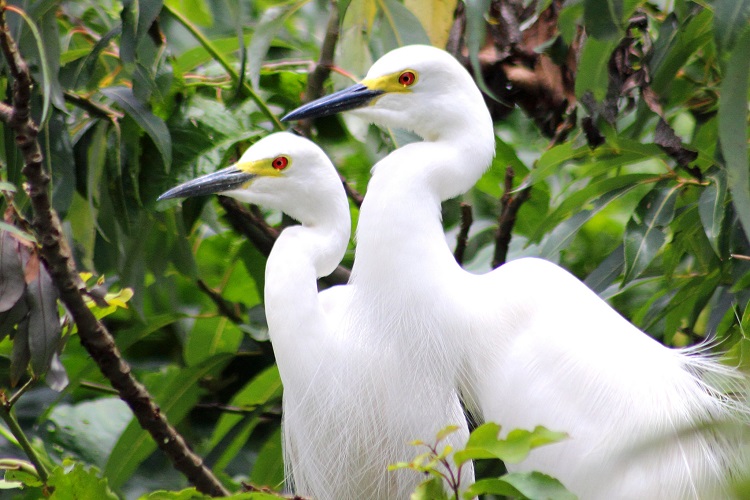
528,343
339,437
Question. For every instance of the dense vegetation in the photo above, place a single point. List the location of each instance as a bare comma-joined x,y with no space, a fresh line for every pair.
622,154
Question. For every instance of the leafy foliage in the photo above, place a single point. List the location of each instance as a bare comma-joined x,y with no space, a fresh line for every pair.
626,120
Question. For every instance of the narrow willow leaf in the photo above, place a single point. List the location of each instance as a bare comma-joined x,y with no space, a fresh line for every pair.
733,135
607,272
593,69
676,44
44,322
590,199
476,29
210,336
268,469
232,431
730,20
46,81
712,207
12,283
150,123
602,19
645,237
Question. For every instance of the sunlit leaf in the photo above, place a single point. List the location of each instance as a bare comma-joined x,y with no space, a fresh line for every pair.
436,18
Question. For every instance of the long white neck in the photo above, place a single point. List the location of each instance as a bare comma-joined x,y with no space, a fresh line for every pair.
400,235
300,255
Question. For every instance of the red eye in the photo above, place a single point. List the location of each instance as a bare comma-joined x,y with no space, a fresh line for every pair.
407,78
280,162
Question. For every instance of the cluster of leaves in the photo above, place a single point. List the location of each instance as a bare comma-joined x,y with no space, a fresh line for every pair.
642,190
444,465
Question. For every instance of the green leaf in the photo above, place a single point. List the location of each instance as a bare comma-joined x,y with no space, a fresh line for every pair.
46,82
186,494
268,469
733,129
89,429
431,489
484,443
400,26
233,430
529,485
644,233
730,20
602,19
211,336
675,45
712,207
592,198
270,23
176,397
436,17
79,484
197,11
593,69
150,123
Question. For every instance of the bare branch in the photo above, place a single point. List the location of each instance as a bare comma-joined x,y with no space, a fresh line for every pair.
510,203
463,233
59,262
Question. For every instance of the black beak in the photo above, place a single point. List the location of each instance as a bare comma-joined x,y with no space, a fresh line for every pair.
356,96
224,180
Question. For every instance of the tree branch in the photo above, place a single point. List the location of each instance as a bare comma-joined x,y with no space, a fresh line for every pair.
59,262
510,203
315,80
463,233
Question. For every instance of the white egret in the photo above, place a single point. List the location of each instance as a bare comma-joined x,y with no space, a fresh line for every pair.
528,343
338,440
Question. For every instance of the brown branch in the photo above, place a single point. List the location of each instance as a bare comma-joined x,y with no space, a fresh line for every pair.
251,224
322,69
510,203
225,307
315,80
463,233
59,262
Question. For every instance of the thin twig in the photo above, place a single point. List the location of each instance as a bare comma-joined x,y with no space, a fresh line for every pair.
315,80
463,233
739,256
322,69
226,308
20,436
59,262
510,203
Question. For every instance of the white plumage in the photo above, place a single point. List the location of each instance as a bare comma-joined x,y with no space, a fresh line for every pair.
343,418
528,344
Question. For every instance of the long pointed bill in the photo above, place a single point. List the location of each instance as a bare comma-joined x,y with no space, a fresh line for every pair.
356,96
223,180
